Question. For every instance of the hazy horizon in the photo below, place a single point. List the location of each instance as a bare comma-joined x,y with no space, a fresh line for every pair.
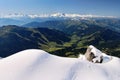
94,7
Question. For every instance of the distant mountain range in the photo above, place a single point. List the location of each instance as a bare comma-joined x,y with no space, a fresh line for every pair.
20,19
113,24
67,15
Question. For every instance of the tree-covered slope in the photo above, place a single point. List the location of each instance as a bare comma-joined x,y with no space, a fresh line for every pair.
14,39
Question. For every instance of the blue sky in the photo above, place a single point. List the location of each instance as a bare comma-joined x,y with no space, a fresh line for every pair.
95,7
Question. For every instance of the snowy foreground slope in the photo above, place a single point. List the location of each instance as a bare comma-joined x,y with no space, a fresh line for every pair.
39,65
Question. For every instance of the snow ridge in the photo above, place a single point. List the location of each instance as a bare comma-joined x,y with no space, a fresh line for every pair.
35,64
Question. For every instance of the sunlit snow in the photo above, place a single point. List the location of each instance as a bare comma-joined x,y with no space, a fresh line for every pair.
35,64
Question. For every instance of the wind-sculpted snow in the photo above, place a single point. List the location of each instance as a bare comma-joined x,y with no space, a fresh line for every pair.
39,65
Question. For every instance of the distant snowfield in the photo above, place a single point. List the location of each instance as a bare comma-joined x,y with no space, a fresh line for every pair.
39,65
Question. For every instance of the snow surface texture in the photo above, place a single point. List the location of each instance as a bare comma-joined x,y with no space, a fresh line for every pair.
39,65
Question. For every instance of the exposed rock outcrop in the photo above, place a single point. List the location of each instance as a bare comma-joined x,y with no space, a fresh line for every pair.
93,55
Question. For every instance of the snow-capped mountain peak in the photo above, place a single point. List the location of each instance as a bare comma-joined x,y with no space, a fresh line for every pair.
58,15
19,15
